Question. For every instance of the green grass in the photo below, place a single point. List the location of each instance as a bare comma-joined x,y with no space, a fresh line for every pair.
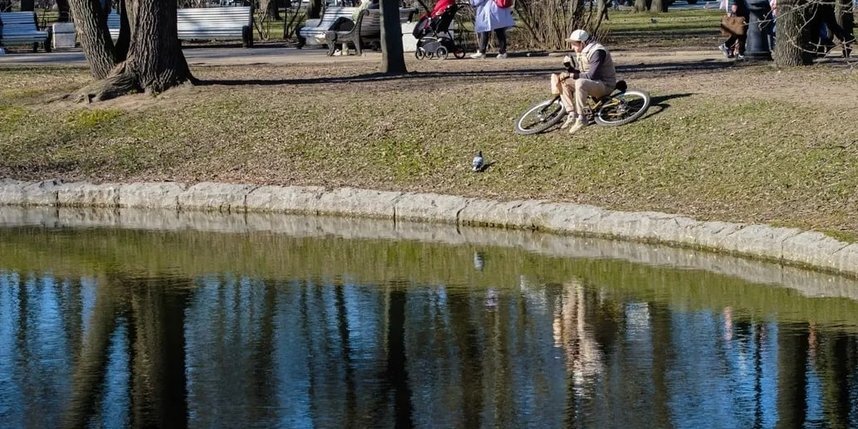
765,157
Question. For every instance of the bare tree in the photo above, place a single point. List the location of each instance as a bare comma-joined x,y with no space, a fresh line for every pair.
64,10
392,57
791,30
153,61
314,9
798,27
659,6
549,22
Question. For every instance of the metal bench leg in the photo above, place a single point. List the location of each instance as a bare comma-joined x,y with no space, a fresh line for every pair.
331,39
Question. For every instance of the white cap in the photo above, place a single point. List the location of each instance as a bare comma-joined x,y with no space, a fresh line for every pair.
579,36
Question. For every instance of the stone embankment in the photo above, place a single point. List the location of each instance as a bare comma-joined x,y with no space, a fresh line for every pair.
789,245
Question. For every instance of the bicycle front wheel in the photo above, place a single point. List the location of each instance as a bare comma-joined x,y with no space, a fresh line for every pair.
540,117
622,108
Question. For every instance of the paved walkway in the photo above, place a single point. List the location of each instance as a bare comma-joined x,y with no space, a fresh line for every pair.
202,56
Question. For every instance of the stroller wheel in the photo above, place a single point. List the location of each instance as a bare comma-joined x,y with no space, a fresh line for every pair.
459,53
441,53
420,53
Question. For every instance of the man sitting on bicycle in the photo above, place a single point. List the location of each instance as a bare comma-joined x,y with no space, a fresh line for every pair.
596,78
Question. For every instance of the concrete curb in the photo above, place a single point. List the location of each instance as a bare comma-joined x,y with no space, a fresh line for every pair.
786,245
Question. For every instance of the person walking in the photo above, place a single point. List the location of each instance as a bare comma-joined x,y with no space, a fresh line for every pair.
488,18
735,44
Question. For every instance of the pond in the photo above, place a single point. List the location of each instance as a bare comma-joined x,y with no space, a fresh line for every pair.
134,318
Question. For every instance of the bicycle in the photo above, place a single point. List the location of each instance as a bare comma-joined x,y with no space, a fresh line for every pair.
620,107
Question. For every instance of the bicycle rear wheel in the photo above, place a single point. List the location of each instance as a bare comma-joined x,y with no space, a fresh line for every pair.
540,117
622,108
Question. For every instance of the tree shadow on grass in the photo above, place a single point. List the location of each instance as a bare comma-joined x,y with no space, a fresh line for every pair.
661,69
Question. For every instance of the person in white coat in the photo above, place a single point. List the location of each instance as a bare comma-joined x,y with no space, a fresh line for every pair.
491,18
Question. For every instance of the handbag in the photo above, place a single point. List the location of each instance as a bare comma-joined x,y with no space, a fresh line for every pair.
733,26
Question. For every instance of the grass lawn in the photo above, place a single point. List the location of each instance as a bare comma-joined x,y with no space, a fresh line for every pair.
744,143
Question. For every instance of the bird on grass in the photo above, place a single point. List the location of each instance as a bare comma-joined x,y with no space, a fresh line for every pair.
478,163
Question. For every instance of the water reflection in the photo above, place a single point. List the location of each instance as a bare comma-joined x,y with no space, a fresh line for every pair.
359,333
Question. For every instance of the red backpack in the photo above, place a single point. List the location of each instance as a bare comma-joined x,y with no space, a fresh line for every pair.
504,4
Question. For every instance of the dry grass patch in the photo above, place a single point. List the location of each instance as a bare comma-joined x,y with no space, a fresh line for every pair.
781,152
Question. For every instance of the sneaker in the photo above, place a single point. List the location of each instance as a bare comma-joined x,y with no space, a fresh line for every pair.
723,48
337,53
570,119
502,56
740,57
578,126
478,55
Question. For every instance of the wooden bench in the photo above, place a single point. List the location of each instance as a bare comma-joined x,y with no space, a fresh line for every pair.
314,30
113,24
366,28
217,23
206,23
20,28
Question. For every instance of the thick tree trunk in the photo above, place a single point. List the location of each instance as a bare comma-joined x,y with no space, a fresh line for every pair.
314,9
846,19
64,11
640,6
792,36
392,57
270,8
154,62
28,5
602,10
658,6
91,27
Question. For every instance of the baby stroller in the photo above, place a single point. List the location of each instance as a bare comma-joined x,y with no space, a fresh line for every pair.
434,40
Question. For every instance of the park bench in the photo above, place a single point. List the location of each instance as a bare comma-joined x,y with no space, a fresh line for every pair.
313,31
366,28
113,25
20,28
206,23
217,23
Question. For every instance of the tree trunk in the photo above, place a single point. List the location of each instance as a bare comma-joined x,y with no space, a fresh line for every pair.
602,10
63,10
791,35
392,57
658,6
270,8
94,37
314,9
846,19
640,6
274,10
28,5
155,61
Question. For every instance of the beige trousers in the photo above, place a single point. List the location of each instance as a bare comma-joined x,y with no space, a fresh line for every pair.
574,92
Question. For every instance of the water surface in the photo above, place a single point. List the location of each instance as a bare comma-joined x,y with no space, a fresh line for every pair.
272,321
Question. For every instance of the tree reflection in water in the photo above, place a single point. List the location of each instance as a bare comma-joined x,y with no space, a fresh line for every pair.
226,349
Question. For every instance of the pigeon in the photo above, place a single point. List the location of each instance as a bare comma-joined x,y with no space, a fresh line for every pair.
477,163
653,20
